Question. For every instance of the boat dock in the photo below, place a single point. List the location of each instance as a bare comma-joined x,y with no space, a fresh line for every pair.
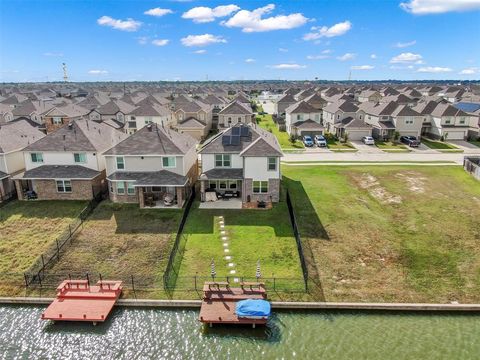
78,301
219,302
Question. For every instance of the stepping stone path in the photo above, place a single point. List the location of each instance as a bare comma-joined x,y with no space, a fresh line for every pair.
225,241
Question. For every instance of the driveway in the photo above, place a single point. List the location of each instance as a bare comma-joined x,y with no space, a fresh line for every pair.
366,149
422,148
465,146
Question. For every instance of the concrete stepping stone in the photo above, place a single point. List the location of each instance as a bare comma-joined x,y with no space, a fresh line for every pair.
226,250
224,238
236,280
228,257
231,264
232,271
225,245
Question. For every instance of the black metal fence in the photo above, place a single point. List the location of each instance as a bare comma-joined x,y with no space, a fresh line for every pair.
298,240
175,258
36,272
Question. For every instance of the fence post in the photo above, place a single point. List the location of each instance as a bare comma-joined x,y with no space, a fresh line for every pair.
43,263
58,250
195,279
273,275
88,279
26,279
133,284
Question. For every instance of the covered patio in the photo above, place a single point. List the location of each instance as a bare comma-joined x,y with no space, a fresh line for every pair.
221,185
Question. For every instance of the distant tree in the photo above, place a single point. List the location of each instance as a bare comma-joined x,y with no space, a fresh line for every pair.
445,136
345,136
292,139
396,136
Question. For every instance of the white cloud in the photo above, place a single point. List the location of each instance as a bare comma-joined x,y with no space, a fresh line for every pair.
202,40
250,61
324,31
53,54
252,21
124,25
317,57
424,7
282,50
434,69
201,51
468,71
347,56
142,40
407,58
203,14
98,72
158,12
362,67
160,42
373,56
405,44
327,51
288,66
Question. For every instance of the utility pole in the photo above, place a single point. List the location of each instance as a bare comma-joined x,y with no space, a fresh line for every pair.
65,76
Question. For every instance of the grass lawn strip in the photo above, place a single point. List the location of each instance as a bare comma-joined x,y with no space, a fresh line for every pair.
439,145
266,122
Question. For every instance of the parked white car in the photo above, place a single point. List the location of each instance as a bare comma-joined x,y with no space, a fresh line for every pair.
368,140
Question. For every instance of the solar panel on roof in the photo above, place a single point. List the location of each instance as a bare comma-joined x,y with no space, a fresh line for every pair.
235,140
225,140
245,131
235,131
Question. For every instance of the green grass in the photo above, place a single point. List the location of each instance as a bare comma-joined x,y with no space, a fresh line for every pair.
422,246
391,146
264,235
438,145
266,122
120,240
340,146
475,142
27,228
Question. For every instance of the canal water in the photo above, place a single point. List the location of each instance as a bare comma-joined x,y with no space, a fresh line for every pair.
176,334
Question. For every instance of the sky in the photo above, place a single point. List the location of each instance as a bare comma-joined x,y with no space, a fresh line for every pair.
181,40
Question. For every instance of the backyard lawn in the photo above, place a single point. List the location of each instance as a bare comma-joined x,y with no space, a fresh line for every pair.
389,233
439,145
120,240
27,228
266,122
253,235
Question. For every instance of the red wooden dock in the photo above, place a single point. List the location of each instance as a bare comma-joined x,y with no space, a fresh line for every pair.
78,301
219,302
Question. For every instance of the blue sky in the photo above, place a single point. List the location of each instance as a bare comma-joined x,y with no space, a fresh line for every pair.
229,40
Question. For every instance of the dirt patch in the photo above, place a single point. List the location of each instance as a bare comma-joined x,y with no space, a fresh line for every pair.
372,185
415,182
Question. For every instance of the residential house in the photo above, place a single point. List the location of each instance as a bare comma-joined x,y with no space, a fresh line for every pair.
449,122
193,118
147,114
60,115
14,136
284,102
302,119
154,167
67,164
342,117
242,161
114,109
234,113
370,96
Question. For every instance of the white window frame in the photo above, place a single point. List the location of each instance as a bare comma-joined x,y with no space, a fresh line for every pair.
63,185
36,157
122,188
116,162
56,120
168,166
80,158
130,188
223,160
270,163
260,187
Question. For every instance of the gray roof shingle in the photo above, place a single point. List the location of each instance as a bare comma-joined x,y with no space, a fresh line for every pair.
61,172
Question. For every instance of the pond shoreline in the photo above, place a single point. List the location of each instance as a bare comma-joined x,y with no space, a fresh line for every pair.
279,305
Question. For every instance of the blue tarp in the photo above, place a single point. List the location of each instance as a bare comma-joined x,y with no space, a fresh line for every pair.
250,307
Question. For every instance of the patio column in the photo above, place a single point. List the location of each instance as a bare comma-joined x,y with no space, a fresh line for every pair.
180,196
18,187
202,190
141,198
2,190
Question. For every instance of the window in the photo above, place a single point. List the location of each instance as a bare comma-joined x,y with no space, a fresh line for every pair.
212,185
120,163
80,157
239,119
272,164
222,160
232,185
130,188
120,188
169,162
148,120
132,124
56,120
462,120
36,157
64,186
201,116
260,187
447,120
222,184
409,120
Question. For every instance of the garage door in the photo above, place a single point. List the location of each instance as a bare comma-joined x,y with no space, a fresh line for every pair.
455,135
356,135
311,133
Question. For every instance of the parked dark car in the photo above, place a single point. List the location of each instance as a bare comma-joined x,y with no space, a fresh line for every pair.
411,141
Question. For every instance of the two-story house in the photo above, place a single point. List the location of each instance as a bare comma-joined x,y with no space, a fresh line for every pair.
302,118
60,115
147,114
67,164
242,161
449,122
342,116
154,167
235,113
193,117
283,103
14,136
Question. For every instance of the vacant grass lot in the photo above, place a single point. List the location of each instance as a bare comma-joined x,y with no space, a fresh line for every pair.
120,240
266,122
27,228
340,146
391,146
390,233
264,235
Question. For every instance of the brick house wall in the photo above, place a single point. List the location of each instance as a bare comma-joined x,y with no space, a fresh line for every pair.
47,190
122,198
272,195
50,126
